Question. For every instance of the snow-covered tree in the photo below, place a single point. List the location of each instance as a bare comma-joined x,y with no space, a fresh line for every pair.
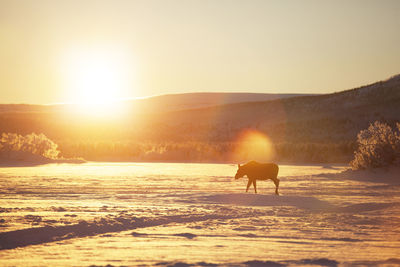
37,144
378,146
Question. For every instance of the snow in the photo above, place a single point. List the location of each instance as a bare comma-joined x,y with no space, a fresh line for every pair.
163,214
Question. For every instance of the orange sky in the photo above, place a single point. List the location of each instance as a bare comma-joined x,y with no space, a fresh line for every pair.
71,51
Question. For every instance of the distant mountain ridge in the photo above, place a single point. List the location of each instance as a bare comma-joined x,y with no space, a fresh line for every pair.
206,126
314,118
165,103
174,102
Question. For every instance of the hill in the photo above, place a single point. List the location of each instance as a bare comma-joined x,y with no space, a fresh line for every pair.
318,118
175,102
206,126
163,103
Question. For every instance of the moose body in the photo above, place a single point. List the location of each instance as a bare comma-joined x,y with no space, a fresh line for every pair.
258,171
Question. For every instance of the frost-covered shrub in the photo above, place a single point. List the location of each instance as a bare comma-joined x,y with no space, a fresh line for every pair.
378,146
31,143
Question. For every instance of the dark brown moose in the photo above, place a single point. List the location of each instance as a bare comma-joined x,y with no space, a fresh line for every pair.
259,171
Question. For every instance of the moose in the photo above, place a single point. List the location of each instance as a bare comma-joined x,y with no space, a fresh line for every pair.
258,171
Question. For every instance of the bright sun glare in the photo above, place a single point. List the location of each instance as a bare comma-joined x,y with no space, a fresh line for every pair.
253,145
97,80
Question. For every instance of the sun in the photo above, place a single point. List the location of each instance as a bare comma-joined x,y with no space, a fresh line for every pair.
98,79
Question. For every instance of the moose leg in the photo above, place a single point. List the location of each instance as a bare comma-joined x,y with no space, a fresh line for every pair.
255,186
276,182
248,185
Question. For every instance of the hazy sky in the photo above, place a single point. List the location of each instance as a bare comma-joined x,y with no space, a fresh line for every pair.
50,50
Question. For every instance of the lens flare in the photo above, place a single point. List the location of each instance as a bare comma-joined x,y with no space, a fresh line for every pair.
253,145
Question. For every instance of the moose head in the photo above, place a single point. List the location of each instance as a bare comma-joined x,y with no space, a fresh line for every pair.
240,172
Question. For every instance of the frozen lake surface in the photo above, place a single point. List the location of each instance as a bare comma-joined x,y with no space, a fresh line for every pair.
164,214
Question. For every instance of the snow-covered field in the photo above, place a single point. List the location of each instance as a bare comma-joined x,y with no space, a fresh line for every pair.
124,214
